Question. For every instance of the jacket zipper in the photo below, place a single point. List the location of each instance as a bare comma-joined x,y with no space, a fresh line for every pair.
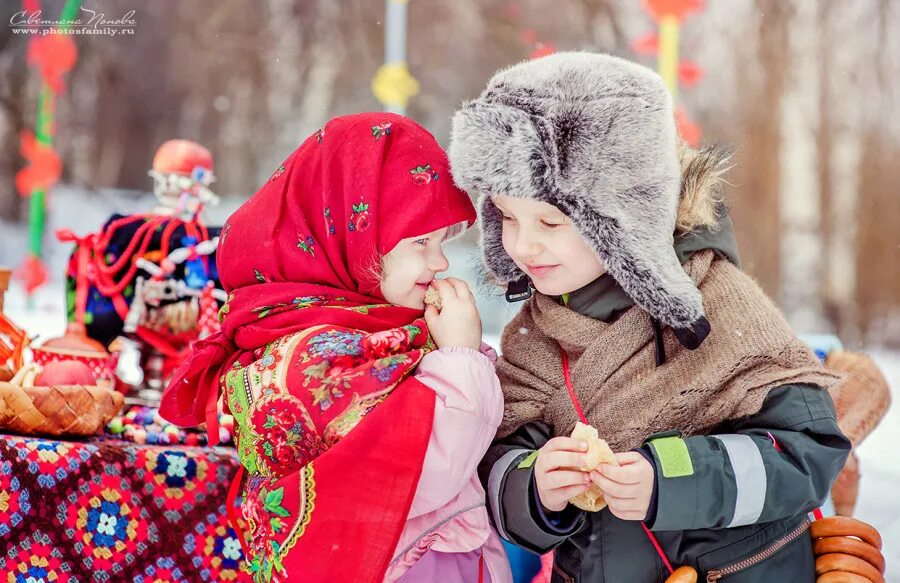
759,557
434,527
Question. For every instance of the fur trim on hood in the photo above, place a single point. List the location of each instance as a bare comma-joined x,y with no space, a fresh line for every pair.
593,135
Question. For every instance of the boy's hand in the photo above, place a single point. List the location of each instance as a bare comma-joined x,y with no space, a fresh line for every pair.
628,487
556,481
458,323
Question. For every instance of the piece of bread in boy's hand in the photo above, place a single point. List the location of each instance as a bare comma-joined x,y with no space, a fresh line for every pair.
598,453
433,298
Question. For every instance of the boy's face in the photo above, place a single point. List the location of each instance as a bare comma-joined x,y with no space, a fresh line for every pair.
411,266
546,246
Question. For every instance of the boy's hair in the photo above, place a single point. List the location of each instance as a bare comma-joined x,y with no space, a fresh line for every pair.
702,187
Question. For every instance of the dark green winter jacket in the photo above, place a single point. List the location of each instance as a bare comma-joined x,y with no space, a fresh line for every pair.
740,516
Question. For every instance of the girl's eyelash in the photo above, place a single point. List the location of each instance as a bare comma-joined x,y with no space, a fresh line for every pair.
421,241
551,225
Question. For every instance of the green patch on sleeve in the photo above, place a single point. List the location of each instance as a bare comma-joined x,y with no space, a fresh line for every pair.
528,461
672,453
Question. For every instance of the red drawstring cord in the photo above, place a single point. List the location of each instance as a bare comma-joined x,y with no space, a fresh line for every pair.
229,509
567,375
659,549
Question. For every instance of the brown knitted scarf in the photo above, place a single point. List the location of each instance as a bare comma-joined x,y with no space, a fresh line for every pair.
750,351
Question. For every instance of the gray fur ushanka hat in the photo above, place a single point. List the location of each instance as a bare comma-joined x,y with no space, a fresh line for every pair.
593,135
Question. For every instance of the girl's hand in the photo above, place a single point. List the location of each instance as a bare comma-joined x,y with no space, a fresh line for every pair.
556,481
458,323
628,487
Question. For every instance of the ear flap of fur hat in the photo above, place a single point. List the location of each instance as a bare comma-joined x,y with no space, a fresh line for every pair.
595,136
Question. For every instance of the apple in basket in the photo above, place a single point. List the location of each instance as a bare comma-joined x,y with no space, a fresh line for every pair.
65,373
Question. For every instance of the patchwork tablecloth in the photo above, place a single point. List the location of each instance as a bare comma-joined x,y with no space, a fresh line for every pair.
103,510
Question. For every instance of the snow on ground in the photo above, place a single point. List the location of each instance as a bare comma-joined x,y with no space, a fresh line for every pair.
879,492
879,497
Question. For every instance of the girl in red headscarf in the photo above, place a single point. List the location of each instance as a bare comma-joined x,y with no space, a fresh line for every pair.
360,415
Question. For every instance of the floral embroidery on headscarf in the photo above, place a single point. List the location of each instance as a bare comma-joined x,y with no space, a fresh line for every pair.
381,130
423,174
359,218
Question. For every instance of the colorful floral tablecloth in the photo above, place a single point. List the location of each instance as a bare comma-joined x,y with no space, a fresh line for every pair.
103,510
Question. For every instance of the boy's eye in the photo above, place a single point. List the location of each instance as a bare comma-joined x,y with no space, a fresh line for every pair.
551,225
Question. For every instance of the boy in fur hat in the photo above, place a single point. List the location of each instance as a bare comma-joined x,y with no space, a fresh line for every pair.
723,428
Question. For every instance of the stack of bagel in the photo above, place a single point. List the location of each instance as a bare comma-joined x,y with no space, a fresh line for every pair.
847,551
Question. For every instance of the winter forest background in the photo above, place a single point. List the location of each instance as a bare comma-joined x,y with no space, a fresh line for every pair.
805,91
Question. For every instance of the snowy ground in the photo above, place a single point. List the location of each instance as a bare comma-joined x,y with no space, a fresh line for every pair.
879,494
879,499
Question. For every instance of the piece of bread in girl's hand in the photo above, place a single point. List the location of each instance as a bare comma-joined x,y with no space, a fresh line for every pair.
598,453
433,298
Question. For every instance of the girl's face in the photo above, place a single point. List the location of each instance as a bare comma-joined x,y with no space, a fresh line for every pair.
411,266
546,246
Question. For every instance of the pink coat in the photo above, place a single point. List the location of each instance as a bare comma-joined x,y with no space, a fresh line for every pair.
448,537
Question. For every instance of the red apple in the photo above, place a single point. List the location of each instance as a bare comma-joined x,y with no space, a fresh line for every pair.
65,372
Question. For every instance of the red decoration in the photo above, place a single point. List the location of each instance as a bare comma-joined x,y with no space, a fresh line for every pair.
647,44
690,131
528,36
53,55
513,10
32,273
542,50
689,73
181,157
677,8
44,166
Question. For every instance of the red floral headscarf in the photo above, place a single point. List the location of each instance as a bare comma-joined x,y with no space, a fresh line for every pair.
298,257
342,200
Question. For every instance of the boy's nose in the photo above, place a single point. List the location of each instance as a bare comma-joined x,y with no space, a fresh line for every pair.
526,247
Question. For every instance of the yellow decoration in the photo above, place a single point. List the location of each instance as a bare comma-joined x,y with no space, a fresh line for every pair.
393,85
667,66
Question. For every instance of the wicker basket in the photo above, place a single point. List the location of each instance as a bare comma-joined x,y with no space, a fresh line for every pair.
5,275
58,410
846,488
861,401
862,398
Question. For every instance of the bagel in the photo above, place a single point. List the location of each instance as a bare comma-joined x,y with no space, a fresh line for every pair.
845,526
683,574
841,577
849,546
848,564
